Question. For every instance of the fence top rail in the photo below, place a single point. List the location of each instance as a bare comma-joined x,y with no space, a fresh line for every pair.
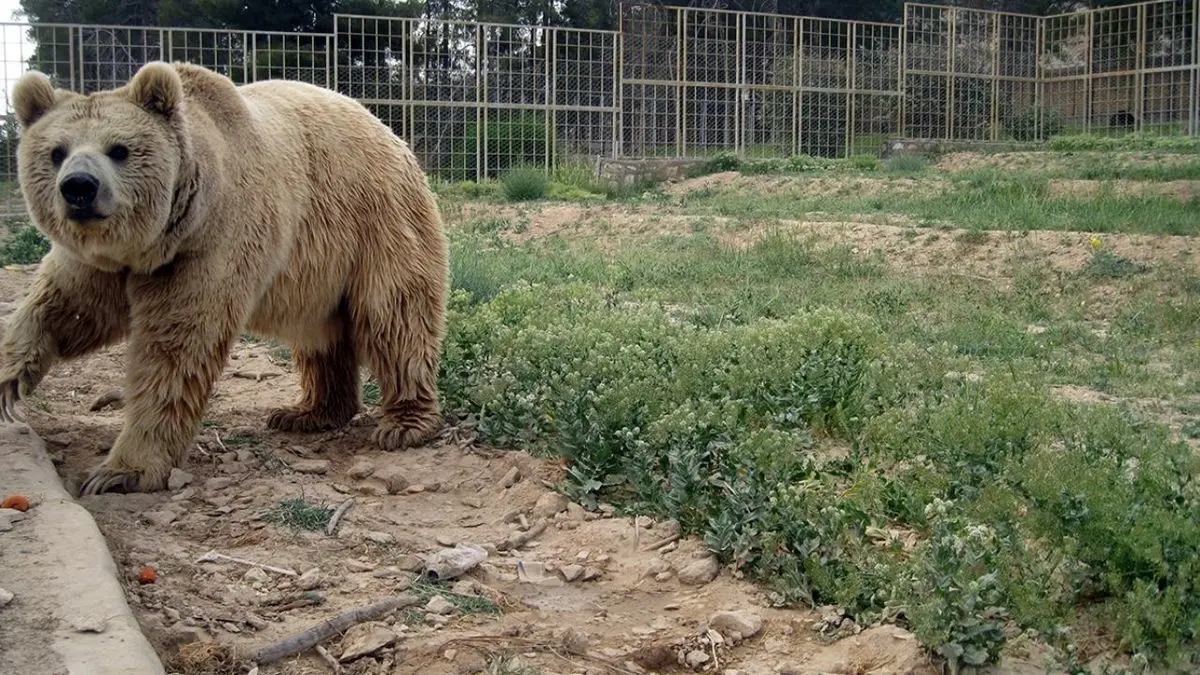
465,22
1083,12
967,10
167,29
773,15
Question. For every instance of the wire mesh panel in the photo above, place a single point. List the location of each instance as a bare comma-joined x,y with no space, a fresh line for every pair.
110,55
651,80
927,51
373,58
876,102
291,56
585,95
1066,68
220,50
770,85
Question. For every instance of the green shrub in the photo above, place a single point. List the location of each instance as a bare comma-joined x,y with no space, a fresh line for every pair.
525,184
25,245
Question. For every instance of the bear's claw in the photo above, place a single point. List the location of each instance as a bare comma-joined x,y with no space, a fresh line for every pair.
10,394
104,479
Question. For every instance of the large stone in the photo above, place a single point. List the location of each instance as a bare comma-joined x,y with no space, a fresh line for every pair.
550,505
365,639
700,572
738,625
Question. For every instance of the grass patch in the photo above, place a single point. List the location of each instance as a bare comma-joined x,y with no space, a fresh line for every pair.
907,164
298,514
465,604
793,404
1126,142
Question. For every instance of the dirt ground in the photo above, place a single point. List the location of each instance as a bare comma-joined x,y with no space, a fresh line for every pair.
639,599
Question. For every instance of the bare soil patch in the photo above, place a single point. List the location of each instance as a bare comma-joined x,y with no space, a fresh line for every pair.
1045,161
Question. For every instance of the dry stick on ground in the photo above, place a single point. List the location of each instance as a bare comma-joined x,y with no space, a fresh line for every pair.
337,516
315,635
328,658
213,556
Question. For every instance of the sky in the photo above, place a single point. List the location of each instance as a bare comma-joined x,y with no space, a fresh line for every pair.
15,49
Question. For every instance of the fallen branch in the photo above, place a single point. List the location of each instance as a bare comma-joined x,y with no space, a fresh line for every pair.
337,515
316,634
213,556
663,542
256,376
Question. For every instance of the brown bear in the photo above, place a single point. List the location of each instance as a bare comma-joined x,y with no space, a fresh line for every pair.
182,210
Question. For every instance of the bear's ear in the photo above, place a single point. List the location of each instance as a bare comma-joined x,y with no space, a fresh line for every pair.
157,88
33,97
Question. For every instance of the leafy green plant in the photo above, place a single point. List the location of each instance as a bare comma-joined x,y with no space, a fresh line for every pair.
525,184
25,245
906,164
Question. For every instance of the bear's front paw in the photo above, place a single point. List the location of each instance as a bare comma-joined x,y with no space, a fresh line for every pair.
123,480
407,426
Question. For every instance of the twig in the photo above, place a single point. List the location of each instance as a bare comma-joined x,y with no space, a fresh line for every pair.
663,542
318,633
213,556
256,376
328,658
219,443
518,539
337,515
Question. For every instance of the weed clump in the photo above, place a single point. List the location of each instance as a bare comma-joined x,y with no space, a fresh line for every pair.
525,184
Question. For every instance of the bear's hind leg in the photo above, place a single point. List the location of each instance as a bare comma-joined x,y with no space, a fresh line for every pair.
329,381
400,336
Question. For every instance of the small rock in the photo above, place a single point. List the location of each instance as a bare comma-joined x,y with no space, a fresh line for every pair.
473,501
446,540
313,466
256,575
439,605
582,556
510,479
410,563
700,572
663,576
382,538
571,572
656,567
359,566
364,639
218,483
310,580
160,518
740,624
393,478
179,479
371,488
6,597
696,658
361,469
607,510
576,512
245,455
575,642
415,488
590,574
550,504
184,495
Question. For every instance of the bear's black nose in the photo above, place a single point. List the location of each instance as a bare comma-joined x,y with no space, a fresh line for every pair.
79,189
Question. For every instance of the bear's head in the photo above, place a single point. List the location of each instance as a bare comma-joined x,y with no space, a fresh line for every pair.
100,172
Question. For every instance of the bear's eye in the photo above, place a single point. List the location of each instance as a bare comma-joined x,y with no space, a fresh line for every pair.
118,153
57,155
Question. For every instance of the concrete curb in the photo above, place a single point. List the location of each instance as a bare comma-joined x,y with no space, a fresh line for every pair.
56,563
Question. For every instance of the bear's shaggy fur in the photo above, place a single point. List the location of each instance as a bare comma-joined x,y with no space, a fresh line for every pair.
184,210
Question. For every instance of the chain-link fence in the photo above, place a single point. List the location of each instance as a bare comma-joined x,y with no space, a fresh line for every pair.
476,99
